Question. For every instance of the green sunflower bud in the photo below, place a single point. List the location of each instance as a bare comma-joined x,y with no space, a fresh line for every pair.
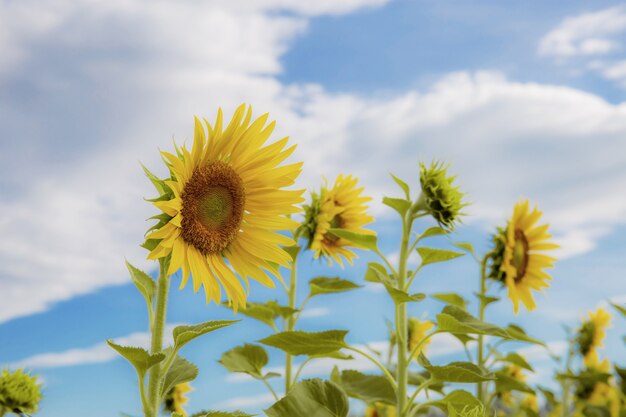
19,392
440,198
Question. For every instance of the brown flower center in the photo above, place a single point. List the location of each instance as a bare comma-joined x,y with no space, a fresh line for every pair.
520,254
213,207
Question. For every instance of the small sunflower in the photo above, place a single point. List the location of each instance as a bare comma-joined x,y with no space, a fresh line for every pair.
341,207
517,373
440,198
19,392
529,402
522,262
591,335
222,205
380,410
418,331
175,399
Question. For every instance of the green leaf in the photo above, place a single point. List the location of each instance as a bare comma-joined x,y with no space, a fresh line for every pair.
138,357
377,273
260,312
362,240
517,333
466,246
486,299
221,414
280,310
619,308
292,251
403,185
452,299
369,388
184,334
398,204
144,283
248,359
307,343
516,359
311,398
328,285
400,296
180,372
465,372
432,255
458,400
432,231
506,383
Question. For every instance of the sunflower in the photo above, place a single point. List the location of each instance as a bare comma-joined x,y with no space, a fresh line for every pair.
517,373
222,205
522,260
529,402
417,332
591,335
340,207
175,398
19,392
380,410
440,197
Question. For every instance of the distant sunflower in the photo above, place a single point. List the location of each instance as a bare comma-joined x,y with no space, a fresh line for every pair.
591,335
517,373
341,207
222,205
380,410
175,399
522,262
418,331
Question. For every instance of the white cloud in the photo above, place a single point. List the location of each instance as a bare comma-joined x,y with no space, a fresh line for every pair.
98,353
249,401
315,312
593,33
537,353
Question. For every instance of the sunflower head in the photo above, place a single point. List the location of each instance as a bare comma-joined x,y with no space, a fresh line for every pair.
341,206
520,259
590,386
19,392
591,335
175,399
380,410
417,332
223,204
517,373
440,197
529,402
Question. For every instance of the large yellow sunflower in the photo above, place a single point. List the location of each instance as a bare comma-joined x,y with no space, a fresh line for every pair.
523,262
222,205
341,207
591,335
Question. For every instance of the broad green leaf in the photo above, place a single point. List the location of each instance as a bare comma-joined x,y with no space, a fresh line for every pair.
458,400
466,246
398,204
144,283
248,359
260,312
432,255
369,388
138,357
451,298
180,372
400,296
328,285
619,308
432,231
516,359
221,414
377,273
307,343
184,334
505,383
365,241
465,372
311,398
403,185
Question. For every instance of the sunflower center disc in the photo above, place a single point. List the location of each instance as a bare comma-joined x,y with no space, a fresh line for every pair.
520,254
213,207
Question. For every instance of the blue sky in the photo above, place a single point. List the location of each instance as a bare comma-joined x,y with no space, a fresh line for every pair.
524,98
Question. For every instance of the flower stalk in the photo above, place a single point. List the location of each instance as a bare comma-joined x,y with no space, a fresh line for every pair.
291,320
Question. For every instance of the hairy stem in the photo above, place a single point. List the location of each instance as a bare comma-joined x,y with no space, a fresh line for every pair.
401,322
291,321
481,315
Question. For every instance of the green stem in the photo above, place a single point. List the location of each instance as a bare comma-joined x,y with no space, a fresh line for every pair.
386,261
267,384
301,367
291,321
422,386
378,364
401,322
481,315
566,382
158,327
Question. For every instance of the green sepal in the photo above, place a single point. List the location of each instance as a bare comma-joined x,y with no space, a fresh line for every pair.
184,334
307,343
158,183
369,388
365,241
140,358
432,255
311,398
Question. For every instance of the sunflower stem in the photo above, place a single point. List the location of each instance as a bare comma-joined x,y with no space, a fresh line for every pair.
401,320
566,384
291,321
481,315
158,327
